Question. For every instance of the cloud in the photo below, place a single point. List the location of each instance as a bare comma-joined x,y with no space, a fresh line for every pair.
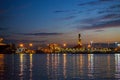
24,41
105,0
111,16
89,20
98,19
89,3
61,11
101,25
109,11
107,20
41,34
115,6
99,30
68,18
64,11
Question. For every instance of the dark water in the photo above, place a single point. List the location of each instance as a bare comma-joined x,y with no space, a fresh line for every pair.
59,66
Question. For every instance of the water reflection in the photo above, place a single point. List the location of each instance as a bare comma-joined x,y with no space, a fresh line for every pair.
90,65
1,66
64,65
117,63
53,66
26,65
31,65
80,66
60,66
21,66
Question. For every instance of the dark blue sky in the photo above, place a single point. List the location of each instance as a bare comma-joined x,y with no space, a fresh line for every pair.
59,21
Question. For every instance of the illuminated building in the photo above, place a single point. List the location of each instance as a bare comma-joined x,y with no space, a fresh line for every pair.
54,47
79,42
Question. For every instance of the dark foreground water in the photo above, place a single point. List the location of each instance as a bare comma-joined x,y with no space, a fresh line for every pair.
59,66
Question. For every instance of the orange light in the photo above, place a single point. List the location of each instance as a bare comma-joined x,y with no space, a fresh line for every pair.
116,49
1,39
64,45
30,44
21,45
89,45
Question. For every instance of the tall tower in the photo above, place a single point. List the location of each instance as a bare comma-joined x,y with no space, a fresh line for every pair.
79,40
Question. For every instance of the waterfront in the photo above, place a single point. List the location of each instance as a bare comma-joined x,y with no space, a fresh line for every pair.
59,66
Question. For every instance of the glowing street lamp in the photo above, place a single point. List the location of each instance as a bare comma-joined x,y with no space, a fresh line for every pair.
64,45
30,44
21,45
89,46
118,45
1,39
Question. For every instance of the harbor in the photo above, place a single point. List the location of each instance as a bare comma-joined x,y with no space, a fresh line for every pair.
80,48
59,39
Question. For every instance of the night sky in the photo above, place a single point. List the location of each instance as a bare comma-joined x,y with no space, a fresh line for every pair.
60,21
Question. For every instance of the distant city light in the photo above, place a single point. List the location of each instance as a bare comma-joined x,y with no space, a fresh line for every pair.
30,44
118,45
64,45
21,45
1,39
89,45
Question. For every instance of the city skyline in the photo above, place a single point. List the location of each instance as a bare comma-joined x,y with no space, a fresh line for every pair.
60,21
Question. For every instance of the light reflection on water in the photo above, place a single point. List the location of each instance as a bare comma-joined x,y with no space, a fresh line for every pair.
2,66
117,63
59,66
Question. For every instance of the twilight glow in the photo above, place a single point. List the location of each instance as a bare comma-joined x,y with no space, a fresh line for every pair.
59,21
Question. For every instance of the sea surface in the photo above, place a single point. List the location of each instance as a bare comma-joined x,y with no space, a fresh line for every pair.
59,66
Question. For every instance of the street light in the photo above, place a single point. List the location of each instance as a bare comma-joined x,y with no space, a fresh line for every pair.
30,44
21,45
1,39
118,45
89,46
64,44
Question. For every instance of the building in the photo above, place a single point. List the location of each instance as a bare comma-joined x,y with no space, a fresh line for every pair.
79,45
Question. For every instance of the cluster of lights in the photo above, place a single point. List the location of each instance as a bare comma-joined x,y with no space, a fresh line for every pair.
22,45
